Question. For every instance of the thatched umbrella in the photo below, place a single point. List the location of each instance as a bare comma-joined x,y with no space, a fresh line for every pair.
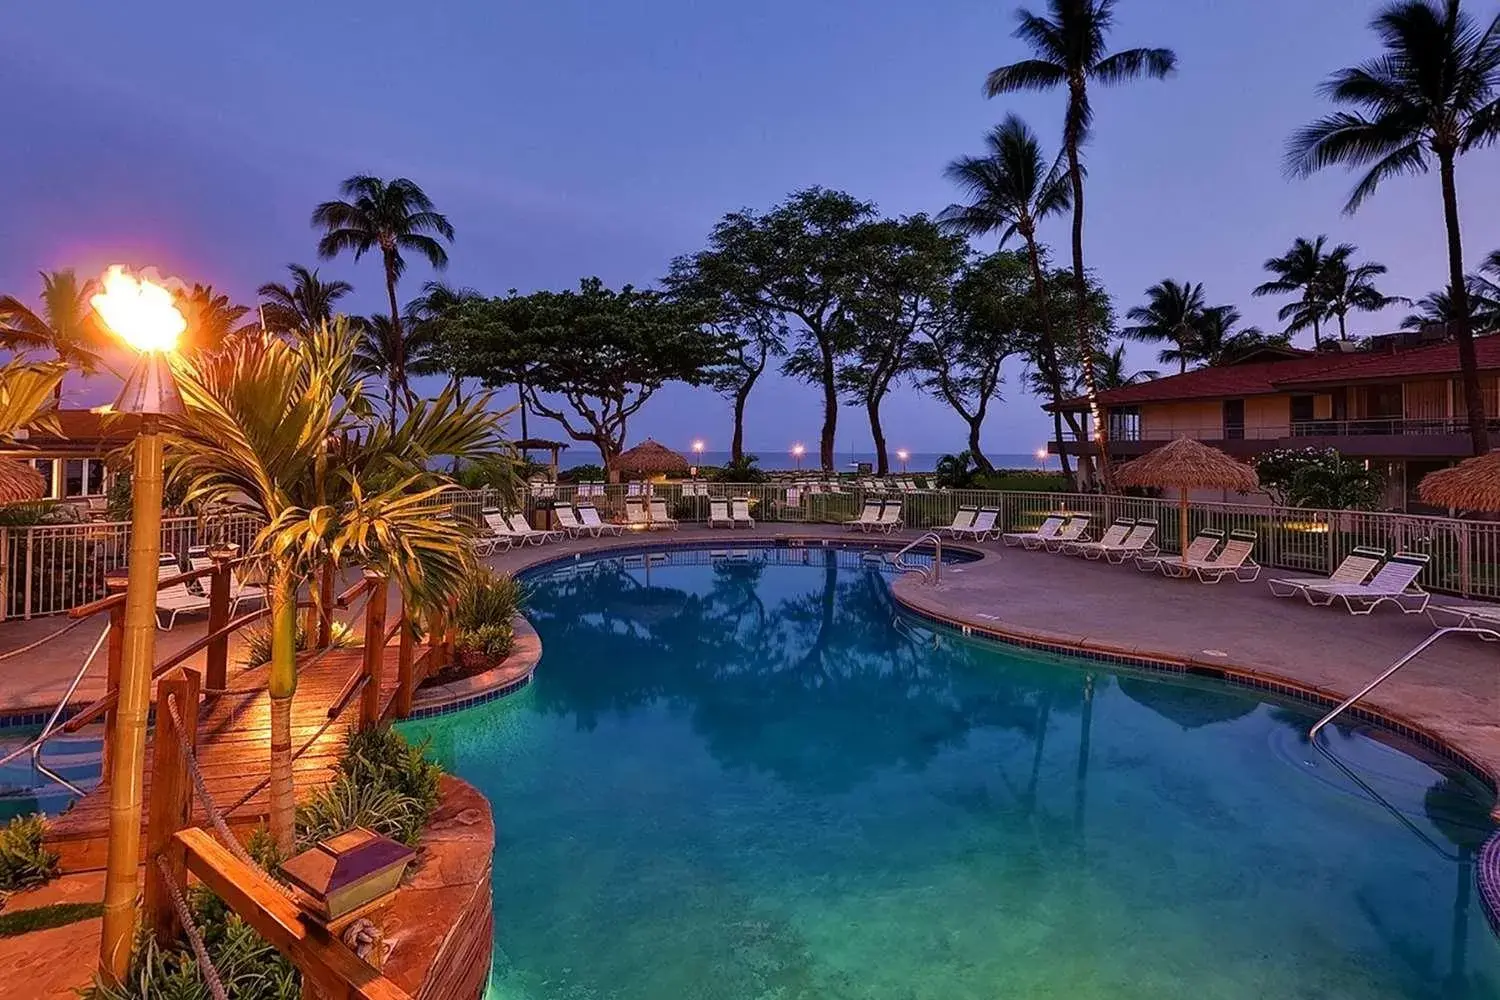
1188,465
650,459
20,482
1473,484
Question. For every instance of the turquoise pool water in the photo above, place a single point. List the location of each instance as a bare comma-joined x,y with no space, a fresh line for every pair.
746,781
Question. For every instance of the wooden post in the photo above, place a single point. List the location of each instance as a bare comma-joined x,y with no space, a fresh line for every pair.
115,651
216,675
406,668
171,801
437,633
369,699
325,607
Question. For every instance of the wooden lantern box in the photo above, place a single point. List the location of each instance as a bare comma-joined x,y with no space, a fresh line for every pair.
345,872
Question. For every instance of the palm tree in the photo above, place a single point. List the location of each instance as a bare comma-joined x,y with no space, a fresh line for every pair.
425,318
1011,189
1217,342
1433,309
1429,96
303,305
1110,372
1346,287
1172,314
280,429
1301,269
1484,296
28,396
66,325
392,217
1069,50
212,319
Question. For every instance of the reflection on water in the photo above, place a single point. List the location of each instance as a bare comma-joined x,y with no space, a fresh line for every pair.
745,780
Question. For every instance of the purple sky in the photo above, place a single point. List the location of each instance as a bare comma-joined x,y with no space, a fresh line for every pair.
569,138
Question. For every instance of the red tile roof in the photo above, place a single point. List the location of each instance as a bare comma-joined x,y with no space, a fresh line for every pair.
1261,378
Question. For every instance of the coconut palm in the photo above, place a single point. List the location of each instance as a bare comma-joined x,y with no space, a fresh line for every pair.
1217,342
1010,189
1111,373
66,324
304,304
1429,97
1435,309
1301,269
213,320
394,217
1345,286
28,396
1172,315
425,315
1069,50
282,430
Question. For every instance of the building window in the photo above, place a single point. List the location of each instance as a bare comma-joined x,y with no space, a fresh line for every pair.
1125,423
44,468
83,477
1234,419
73,478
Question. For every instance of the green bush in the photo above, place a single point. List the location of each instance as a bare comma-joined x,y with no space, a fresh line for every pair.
743,471
494,641
121,495
586,473
482,617
384,784
1021,481
24,861
258,641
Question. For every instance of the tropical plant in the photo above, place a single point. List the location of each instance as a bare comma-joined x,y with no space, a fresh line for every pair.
385,353
395,218
213,320
305,304
1430,96
487,603
1173,314
66,324
952,472
24,860
1318,477
431,350
1217,342
1069,49
1347,286
741,470
1436,308
28,396
1111,372
1301,270
1011,189
383,783
283,431
585,472
256,642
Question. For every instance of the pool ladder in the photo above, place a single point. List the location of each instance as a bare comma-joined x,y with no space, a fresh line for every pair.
931,574
1418,650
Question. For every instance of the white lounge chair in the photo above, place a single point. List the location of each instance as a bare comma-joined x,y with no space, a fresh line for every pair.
659,516
524,532
176,600
499,530
1076,530
588,516
567,521
239,592
963,520
983,526
1468,616
1199,550
890,518
1395,582
867,517
1356,568
1112,537
1049,527
739,512
1234,559
635,514
1140,541
718,514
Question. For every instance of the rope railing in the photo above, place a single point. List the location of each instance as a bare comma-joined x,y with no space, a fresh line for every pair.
190,927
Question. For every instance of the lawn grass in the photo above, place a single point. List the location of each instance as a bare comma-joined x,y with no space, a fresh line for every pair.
44,917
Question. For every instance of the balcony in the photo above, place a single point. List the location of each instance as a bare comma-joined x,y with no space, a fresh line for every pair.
1376,437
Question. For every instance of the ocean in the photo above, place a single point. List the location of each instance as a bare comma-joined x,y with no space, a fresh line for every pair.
920,461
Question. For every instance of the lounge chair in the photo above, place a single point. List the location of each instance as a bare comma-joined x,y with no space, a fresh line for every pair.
890,518
499,532
177,600
870,515
1233,559
1112,537
1140,541
983,526
718,514
660,517
1396,582
567,521
739,512
1356,568
1051,526
1202,547
239,592
635,514
524,532
1468,616
588,516
963,520
1076,530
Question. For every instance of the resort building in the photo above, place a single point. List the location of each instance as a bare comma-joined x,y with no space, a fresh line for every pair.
1398,403
72,463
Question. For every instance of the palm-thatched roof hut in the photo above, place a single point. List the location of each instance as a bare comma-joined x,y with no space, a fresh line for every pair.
649,459
1188,465
20,482
1473,484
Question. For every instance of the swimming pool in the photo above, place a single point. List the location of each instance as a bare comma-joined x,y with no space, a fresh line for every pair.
749,777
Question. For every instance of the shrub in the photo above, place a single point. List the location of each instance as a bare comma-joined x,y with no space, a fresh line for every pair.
1318,477
743,471
953,472
482,616
24,861
384,784
383,757
1022,481
258,641
585,473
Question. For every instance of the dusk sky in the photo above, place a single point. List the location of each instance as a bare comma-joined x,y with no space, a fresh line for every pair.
568,138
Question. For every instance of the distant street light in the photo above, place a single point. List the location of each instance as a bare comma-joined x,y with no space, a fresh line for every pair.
143,315
697,457
1041,458
903,455
797,451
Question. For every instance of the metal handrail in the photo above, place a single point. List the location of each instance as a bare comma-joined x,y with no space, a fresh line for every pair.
1421,647
936,573
34,747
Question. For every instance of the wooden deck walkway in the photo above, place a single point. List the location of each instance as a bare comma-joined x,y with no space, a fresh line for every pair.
234,751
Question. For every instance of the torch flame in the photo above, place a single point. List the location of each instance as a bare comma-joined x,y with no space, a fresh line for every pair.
139,310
